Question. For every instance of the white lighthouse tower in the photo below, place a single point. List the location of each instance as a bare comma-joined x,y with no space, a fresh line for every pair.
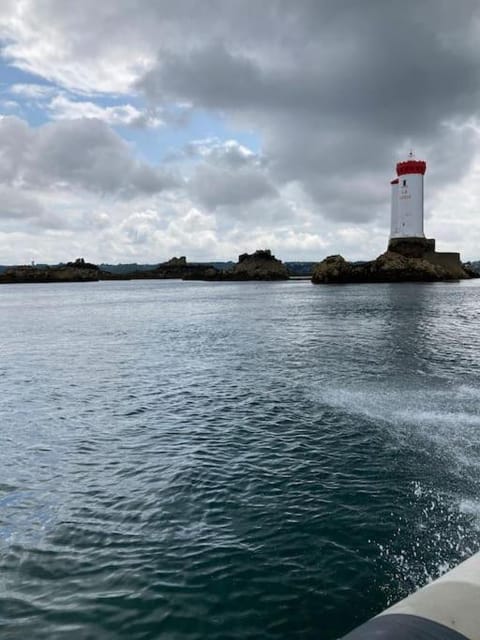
407,199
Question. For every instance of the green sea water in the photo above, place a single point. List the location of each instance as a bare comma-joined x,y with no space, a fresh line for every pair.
186,460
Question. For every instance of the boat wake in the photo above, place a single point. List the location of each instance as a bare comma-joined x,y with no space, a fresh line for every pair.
441,524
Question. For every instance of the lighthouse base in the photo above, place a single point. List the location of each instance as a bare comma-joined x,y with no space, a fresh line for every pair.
412,247
424,248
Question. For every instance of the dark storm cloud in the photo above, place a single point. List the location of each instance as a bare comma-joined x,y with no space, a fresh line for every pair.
399,88
334,87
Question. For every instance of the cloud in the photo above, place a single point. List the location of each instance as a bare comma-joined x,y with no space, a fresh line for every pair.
230,174
63,108
335,93
229,152
9,106
215,186
15,139
80,154
351,85
29,211
140,226
16,205
32,90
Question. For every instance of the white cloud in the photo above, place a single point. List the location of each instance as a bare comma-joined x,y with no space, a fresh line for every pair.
215,186
87,47
63,108
141,226
83,154
9,106
229,175
32,90
16,205
318,82
230,151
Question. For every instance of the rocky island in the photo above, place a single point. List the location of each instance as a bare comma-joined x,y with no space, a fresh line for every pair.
406,260
261,265
175,268
78,271
410,257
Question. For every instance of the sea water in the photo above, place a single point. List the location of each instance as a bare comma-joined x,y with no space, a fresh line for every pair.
188,460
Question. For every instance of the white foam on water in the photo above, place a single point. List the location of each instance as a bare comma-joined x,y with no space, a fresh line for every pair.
442,528
471,508
440,537
438,418
467,391
450,420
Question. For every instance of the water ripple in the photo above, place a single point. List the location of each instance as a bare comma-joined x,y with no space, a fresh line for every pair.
191,460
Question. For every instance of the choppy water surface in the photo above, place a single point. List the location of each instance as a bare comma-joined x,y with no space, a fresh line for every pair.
193,460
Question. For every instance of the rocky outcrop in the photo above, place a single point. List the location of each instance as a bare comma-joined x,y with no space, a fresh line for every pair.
180,268
81,271
472,269
332,269
173,269
388,267
395,267
197,271
261,265
78,271
406,260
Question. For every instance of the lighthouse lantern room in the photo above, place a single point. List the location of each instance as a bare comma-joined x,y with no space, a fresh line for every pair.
407,199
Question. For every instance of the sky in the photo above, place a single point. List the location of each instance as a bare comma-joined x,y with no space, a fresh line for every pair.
133,130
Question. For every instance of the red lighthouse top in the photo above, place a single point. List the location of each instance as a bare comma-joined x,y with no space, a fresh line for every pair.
411,166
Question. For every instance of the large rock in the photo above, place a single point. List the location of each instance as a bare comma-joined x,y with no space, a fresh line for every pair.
261,265
472,269
180,268
395,267
173,269
332,269
388,267
78,271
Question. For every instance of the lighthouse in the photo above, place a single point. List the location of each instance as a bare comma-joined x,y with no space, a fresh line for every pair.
407,199
406,230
